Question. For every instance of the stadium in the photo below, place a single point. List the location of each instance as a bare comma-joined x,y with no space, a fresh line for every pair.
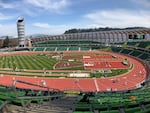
90,72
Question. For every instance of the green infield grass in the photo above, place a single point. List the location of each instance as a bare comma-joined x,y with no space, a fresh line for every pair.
33,62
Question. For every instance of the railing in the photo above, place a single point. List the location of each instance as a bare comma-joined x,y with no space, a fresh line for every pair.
44,93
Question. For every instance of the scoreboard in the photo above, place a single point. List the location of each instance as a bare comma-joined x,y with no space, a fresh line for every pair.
136,37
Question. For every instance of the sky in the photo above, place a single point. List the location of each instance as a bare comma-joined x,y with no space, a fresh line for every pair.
54,17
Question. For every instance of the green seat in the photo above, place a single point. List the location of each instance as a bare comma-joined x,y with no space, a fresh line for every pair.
115,106
100,107
131,105
132,110
82,112
82,109
110,111
147,106
82,106
1,102
145,111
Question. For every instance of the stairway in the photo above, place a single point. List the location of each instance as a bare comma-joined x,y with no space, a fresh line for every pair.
62,105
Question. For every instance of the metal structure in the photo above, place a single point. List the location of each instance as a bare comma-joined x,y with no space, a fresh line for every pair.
114,36
35,93
21,32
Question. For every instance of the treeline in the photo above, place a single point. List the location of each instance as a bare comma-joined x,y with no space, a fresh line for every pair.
6,42
98,29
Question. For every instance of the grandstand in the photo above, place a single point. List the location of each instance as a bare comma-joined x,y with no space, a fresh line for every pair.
113,36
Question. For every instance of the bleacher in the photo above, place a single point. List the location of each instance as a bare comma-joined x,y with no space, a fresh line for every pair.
50,48
73,48
114,102
136,53
39,49
144,44
62,48
59,48
125,51
139,49
65,42
136,101
144,56
31,49
133,43
14,99
116,49
84,48
65,45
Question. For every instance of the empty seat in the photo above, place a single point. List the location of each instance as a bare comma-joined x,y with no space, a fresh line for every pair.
110,111
132,110
82,112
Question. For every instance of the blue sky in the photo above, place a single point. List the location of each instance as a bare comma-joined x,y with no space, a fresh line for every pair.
55,16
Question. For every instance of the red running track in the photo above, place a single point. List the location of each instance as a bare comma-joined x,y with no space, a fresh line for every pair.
130,80
104,62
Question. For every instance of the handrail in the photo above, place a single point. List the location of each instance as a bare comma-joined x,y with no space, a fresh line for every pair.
36,96
43,85
28,83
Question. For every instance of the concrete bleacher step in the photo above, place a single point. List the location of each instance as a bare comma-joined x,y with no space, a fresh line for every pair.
121,110
45,49
79,49
41,109
56,49
62,105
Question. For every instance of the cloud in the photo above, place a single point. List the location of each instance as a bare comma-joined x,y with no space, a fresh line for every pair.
50,5
6,5
5,17
8,29
46,25
42,25
119,18
45,28
145,3
36,7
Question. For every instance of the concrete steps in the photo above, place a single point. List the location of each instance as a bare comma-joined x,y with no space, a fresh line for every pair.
62,105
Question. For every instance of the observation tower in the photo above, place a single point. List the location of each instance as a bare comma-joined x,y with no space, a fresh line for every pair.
21,32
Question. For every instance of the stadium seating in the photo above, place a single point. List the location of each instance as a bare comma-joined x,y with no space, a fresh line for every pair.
31,49
136,53
84,48
50,48
133,43
126,51
115,49
136,101
73,48
61,48
144,44
144,56
39,49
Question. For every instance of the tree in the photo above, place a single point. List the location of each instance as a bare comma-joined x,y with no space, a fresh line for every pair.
6,42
